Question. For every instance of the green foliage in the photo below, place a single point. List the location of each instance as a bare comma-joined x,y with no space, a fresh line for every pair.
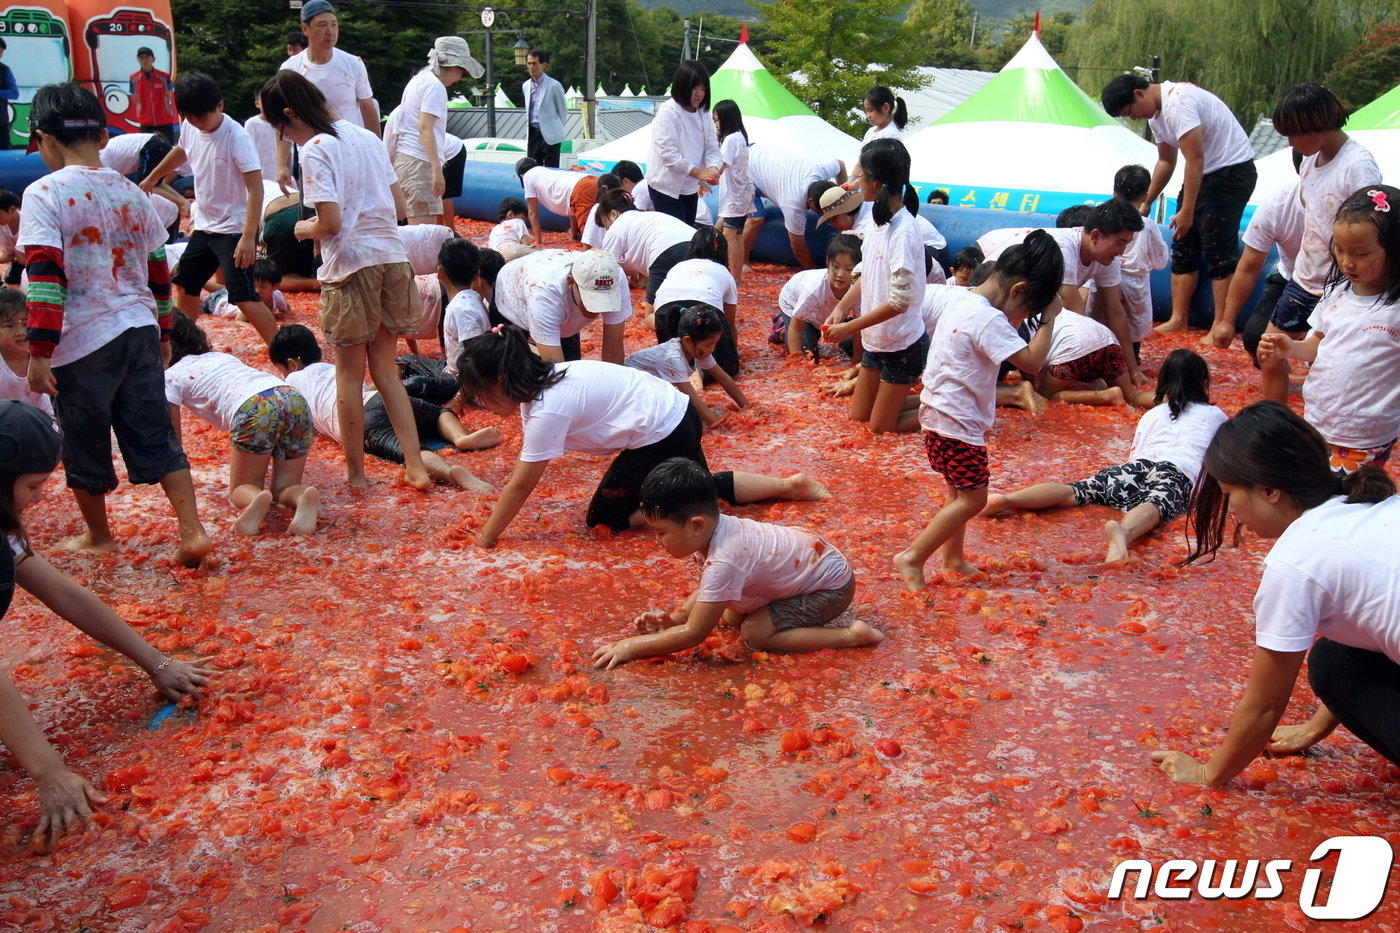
1369,69
829,54
942,30
1055,31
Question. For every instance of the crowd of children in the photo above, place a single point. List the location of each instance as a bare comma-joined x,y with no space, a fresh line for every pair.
103,350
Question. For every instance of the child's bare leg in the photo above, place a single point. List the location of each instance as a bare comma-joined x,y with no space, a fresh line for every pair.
761,634
1021,396
1110,396
185,303
260,316
195,545
1032,498
350,410
890,414
1136,522
735,240
1274,373
98,538
246,472
945,528
867,387
443,472
452,431
755,487
385,374
1132,394
291,493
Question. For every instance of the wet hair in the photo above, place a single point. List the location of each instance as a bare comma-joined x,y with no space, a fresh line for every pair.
265,270
938,196
500,364
708,243
816,189
1183,379
288,90
13,304
1117,94
491,263
460,260
880,97
186,339
1073,216
969,257
1113,216
731,119
294,342
68,102
523,165
1131,183
983,272
541,55
1361,207
197,94
297,38
689,75
677,490
8,200
628,170
843,244
510,206
1268,445
1039,263
615,200
887,161
1308,108
700,321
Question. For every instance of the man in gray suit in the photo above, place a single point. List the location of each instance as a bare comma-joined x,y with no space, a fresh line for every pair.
544,102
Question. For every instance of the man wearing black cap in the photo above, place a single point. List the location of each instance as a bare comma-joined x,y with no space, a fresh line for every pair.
153,106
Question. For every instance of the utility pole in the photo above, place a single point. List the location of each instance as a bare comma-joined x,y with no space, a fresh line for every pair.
590,69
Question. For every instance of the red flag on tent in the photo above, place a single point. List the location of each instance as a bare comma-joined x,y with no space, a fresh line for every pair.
744,34
1037,22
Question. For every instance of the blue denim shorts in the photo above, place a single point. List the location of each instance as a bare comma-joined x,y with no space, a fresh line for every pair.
1294,308
899,367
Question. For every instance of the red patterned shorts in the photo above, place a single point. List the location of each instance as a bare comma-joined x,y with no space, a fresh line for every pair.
963,465
1105,363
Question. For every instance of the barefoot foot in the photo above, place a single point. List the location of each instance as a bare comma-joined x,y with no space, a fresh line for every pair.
996,504
466,480
1028,399
1117,553
250,520
307,512
478,440
861,635
84,542
959,568
357,479
803,487
1170,327
418,479
193,549
911,571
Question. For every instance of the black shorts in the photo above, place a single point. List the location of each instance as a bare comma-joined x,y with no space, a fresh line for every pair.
207,252
1258,321
452,171
380,439
118,387
899,367
1215,232
620,492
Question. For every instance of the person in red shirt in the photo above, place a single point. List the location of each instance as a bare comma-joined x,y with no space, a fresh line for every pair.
150,93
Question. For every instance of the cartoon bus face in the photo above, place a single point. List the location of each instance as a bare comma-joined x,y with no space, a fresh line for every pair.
113,41
38,53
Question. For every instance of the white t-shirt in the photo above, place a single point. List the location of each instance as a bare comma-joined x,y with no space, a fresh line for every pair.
1077,273
1076,335
12,386
1335,572
1321,191
889,131
316,383
424,93
699,280
215,385
681,141
533,292
750,564
808,297
343,80
593,236
508,233
782,177
735,189
935,300
227,309
219,159
995,242
1146,253
668,361
1278,222
960,379
1181,440
106,228
421,242
637,238
264,139
599,408
893,254
928,233
1352,393
1186,107
122,154
464,318
551,187
353,171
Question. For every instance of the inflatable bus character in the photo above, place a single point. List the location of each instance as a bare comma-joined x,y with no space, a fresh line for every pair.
112,36
39,53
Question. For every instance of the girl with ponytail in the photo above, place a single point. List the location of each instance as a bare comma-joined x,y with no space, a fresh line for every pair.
975,334
885,113
890,291
594,408
1330,590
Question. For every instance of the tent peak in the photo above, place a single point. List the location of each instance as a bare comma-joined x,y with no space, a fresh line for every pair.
1032,56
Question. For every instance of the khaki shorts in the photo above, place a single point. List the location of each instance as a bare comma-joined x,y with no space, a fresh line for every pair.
353,309
416,180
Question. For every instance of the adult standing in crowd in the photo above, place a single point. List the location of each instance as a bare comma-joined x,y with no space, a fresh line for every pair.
1219,179
151,94
9,91
684,154
424,145
544,102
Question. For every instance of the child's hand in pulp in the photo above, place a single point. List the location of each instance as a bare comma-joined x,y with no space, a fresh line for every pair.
63,805
180,679
654,621
610,656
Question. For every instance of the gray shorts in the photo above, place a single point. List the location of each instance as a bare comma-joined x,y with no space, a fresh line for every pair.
812,610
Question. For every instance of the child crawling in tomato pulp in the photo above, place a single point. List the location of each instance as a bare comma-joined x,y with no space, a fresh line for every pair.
783,585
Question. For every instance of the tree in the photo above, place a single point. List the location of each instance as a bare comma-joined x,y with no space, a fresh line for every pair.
943,31
830,54
1368,70
1054,35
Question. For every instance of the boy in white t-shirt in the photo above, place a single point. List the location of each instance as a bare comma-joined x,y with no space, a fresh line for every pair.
266,278
458,270
227,212
98,328
1147,253
785,586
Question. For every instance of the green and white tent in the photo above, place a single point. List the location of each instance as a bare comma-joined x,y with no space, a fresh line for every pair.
772,115
1375,126
1029,140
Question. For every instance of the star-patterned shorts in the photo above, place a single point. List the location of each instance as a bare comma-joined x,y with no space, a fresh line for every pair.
1137,482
